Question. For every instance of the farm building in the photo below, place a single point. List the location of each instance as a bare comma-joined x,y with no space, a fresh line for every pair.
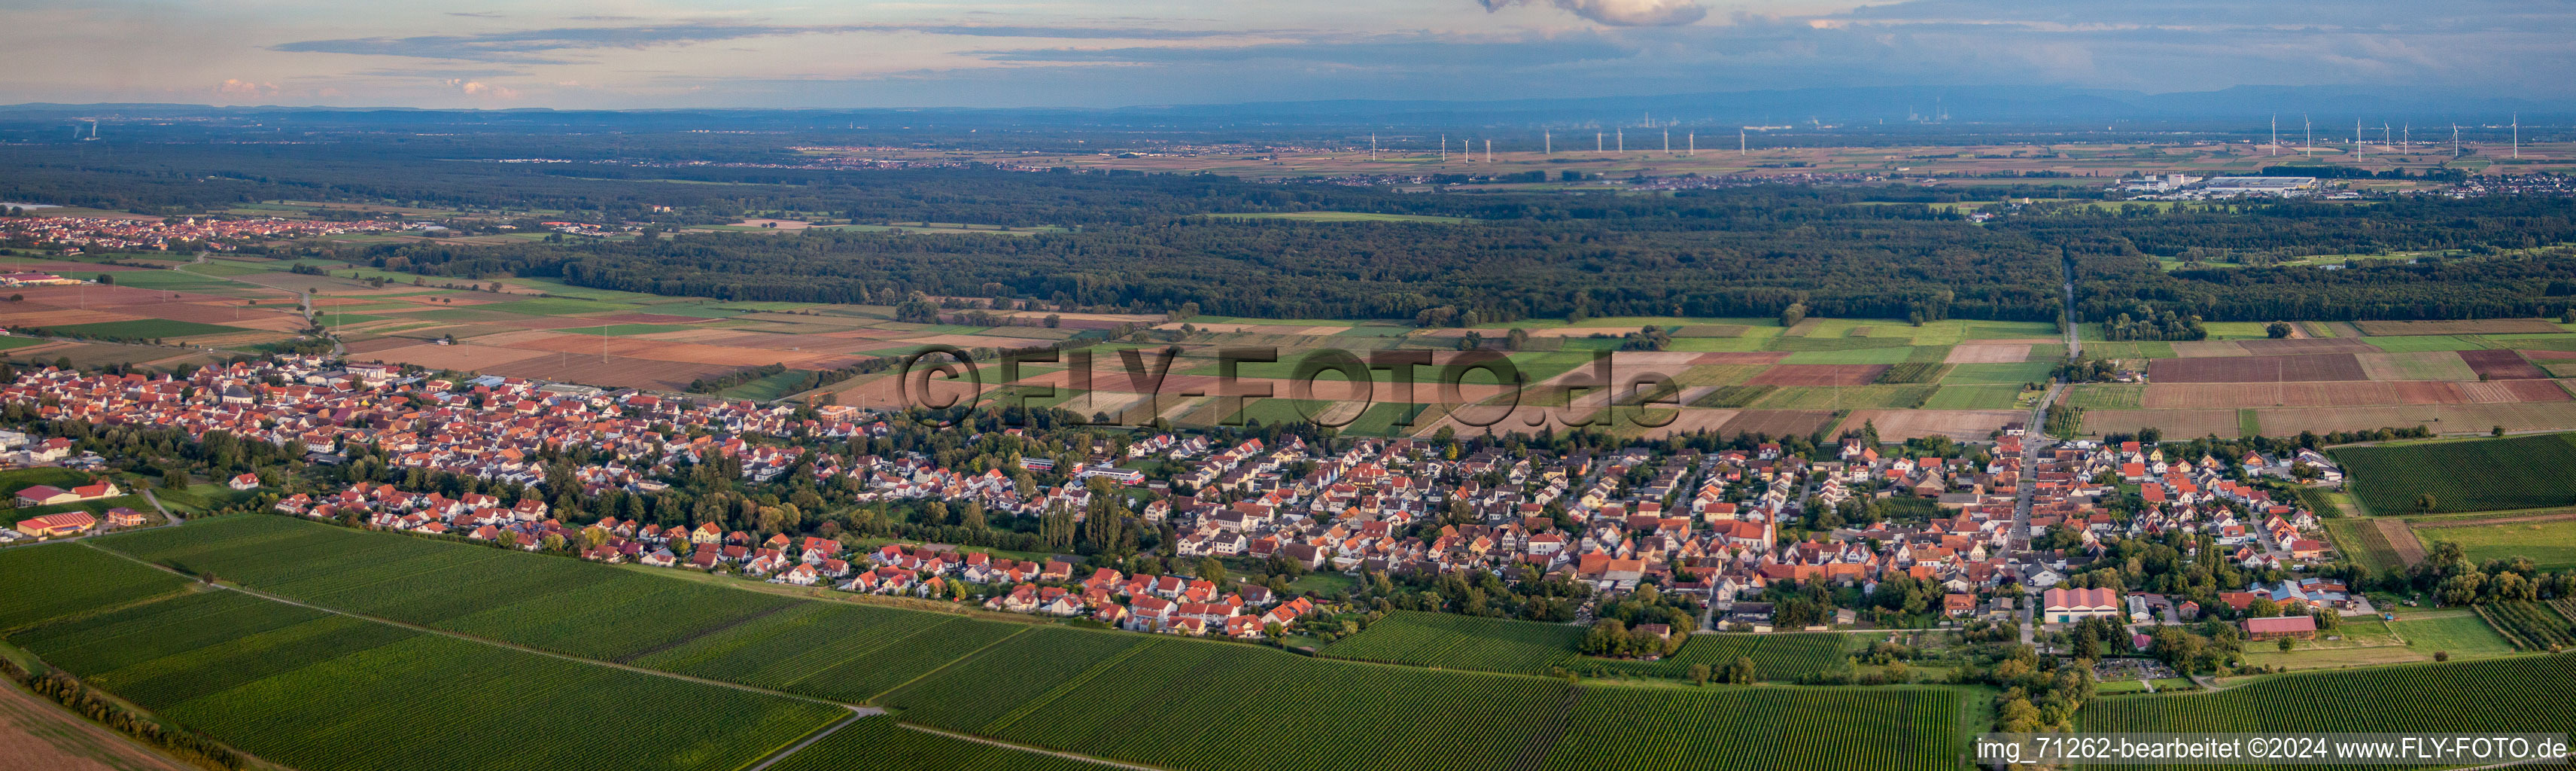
2302,627
47,495
2066,606
51,525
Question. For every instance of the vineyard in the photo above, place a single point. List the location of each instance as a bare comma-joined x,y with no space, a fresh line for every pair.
2479,475
2535,694
1452,641
566,606
827,650
1773,728
846,653
2528,625
1189,704
1775,656
322,692
879,744
299,685
1083,692
105,581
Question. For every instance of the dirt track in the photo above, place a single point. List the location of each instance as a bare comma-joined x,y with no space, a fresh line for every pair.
35,734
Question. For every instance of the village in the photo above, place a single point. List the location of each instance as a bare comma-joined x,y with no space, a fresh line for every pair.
75,235
1734,529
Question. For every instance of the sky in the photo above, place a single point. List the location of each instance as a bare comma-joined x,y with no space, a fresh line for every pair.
1111,53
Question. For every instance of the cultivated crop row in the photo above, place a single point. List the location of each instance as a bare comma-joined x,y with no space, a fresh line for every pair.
1769,728
1451,641
67,578
325,692
2529,625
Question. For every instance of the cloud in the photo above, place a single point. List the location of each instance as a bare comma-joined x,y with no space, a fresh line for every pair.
239,87
1408,54
480,88
543,46
1621,13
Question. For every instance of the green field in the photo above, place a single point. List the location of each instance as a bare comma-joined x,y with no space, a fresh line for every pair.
834,651
1096,692
2010,372
1778,656
2550,545
1452,641
2520,472
1871,355
881,744
1989,396
622,330
56,580
2419,343
1898,397
323,692
2105,396
486,592
1087,700
146,328
2521,694
2362,540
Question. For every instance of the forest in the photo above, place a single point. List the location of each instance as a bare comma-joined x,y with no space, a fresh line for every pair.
1145,242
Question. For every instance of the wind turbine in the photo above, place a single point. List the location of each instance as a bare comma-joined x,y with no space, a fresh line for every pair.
2517,136
2276,135
2310,128
1547,142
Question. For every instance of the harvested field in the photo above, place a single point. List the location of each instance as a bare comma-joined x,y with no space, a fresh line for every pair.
2296,346
1746,357
2501,365
2441,418
361,348
686,353
2346,393
2459,327
36,734
463,357
22,316
104,297
2257,369
1962,425
645,318
1688,421
2176,424
614,371
1819,375
1776,422
1987,354
2510,391
2421,365
1717,374
2194,349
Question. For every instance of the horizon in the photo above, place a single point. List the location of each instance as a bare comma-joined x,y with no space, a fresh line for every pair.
1085,55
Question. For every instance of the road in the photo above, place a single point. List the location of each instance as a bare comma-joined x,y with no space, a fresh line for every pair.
2074,342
